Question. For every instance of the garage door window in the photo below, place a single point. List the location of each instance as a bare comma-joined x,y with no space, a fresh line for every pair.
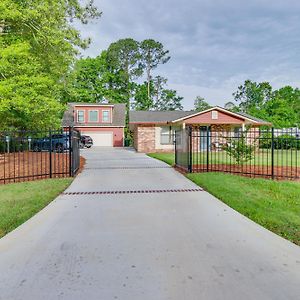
93,116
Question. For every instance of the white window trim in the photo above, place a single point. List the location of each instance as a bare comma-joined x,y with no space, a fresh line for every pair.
109,116
171,133
214,115
78,110
89,116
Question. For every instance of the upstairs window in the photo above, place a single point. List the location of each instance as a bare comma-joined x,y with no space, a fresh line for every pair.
93,116
105,116
80,116
166,136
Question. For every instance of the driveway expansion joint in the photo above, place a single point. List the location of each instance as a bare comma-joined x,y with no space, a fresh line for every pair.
133,192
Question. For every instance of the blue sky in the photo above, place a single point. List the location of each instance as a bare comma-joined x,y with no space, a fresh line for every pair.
215,45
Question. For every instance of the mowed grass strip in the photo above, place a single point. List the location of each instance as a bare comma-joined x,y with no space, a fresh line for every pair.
20,201
168,158
272,204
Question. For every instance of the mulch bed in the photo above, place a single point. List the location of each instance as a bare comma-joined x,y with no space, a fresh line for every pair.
280,173
28,166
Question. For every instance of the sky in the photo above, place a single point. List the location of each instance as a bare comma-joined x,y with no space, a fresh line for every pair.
215,45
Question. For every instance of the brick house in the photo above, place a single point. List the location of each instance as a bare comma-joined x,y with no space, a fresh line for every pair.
153,131
105,123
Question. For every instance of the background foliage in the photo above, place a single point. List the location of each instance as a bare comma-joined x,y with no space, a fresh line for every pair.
38,43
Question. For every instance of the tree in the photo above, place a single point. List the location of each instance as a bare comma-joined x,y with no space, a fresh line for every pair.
141,99
230,106
152,55
200,104
165,99
37,45
123,62
283,110
252,97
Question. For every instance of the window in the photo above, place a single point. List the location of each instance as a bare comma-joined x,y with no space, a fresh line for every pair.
166,136
93,116
80,116
214,115
237,132
105,116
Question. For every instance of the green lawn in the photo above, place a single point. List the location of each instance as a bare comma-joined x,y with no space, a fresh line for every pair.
273,204
281,158
168,158
20,201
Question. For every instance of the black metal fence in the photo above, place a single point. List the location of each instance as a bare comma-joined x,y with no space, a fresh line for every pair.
31,155
269,153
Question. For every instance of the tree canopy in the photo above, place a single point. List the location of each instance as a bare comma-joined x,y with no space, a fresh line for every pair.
117,75
38,43
281,107
200,104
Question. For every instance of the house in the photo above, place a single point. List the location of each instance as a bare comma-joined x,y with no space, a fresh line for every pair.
153,131
105,123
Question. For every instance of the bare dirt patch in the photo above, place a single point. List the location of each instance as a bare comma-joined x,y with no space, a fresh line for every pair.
27,166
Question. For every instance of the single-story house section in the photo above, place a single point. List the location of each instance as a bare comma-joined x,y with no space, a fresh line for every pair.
104,123
153,131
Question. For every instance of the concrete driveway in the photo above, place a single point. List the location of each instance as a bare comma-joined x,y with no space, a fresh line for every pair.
148,244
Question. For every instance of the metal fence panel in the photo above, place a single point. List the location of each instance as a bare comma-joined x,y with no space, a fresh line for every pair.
31,155
268,153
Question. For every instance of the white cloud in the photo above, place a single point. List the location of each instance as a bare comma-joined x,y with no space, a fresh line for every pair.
215,45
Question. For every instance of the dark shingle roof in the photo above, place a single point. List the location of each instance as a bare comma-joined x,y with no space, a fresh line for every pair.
119,115
169,116
157,116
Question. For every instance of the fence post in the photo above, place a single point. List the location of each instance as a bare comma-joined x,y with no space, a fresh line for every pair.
50,153
175,147
190,150
207,148
272,153
70,152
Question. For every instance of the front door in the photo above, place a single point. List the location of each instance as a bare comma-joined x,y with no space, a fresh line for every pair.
203,138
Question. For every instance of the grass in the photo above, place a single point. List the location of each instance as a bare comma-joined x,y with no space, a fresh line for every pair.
168,158
263,158
272,204
20,201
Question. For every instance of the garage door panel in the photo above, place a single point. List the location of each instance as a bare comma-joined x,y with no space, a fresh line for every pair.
101,139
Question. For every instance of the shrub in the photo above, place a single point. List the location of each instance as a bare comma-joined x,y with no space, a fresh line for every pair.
286,141
240,150
265,140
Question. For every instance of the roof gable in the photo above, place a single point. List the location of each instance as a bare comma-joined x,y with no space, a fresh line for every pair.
226,116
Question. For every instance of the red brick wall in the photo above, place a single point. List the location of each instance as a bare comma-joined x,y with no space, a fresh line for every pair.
144,138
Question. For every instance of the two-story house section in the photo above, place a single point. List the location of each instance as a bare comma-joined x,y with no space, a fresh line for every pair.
105,123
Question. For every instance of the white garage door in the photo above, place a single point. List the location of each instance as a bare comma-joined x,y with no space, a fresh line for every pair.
102,139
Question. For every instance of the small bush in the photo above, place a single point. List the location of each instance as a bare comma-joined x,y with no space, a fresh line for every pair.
239,150
286,142
265,140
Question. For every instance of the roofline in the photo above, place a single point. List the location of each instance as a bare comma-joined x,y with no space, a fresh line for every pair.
142,122
214,108
100,104
95,126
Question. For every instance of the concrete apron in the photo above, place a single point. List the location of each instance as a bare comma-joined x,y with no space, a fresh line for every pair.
155,245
